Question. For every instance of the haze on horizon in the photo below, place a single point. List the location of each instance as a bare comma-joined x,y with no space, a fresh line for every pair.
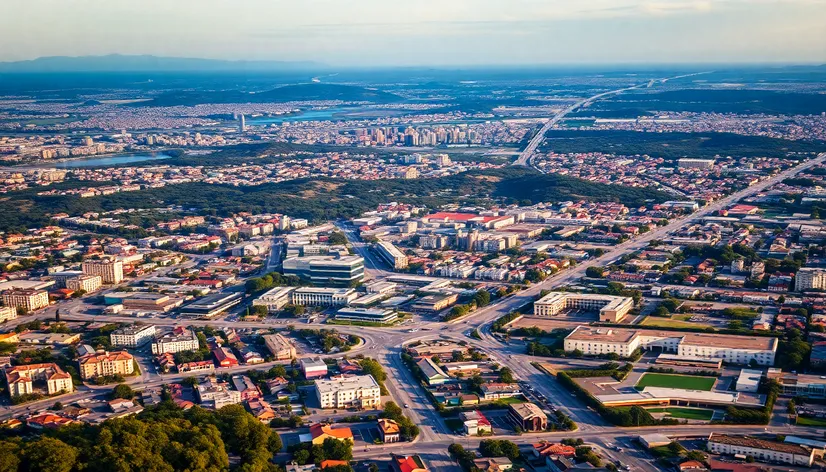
422,32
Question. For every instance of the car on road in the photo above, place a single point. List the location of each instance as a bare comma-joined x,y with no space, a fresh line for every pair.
406,405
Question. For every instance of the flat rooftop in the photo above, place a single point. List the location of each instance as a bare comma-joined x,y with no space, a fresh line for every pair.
356,382
625,335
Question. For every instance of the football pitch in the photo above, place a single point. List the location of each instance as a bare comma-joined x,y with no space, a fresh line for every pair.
687,382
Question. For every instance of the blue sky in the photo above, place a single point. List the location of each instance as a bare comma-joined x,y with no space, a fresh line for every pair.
422,32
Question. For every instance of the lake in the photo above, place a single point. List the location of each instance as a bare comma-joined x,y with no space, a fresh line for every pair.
109,161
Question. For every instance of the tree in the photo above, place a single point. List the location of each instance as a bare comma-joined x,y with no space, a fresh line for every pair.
337,239
49,455
595,272
9,456
337,450
482,298
122,391
506,375
302,456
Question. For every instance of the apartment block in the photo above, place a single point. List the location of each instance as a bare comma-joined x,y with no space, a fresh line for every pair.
28,299
279,346
132,336
358,391
108,363
21,379
87,283
179,340
110,271
392,255
810,279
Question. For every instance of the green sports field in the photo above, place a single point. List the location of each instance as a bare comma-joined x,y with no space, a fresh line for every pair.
687,382
685,413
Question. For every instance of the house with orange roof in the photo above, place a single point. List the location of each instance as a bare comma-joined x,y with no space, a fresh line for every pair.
48,420
108,363
332,463
320,432
21,379
389,430
546,449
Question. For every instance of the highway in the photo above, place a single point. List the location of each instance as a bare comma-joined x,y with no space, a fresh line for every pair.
386,345
526,155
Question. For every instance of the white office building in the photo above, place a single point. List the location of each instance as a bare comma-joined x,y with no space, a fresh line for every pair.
132,336
323,296
392,255
611,309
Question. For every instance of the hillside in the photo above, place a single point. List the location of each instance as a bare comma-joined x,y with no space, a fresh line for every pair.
325,198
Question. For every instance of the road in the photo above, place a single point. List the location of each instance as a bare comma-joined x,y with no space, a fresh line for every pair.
526,155
386,344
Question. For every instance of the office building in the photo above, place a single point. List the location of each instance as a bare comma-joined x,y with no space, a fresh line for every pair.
611,309
762,450
369,315
434,303
313,368
280,347
321,296
274,299
106,364
212,305
810,279
21,379
391,254
132,336
214,394
179,340
623,341
110,271
86,283
27,299
326,270
358,391
799,385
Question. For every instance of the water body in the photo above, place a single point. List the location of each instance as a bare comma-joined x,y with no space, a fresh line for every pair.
309,115
109,161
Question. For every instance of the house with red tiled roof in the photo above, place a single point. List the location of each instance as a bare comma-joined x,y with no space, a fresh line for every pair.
407,464
332,463
545,448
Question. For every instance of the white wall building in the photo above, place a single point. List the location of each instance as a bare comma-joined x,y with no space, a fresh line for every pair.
321,296
132,336
611,308
764,451
359,391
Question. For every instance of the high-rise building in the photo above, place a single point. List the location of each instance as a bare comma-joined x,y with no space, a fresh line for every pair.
810,279
242,123
110,271
28,299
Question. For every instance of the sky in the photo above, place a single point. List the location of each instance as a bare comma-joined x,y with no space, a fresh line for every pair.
422,32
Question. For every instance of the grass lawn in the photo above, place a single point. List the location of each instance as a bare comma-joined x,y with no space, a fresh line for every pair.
688,382
804,421
685,413
509,401
671,322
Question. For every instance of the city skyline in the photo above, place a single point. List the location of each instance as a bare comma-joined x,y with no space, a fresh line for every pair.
429,33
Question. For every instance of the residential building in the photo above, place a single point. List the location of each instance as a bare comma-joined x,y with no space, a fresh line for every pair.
323,296
7,313
313,368
27,299
86,283
389,430
179,340
280,347
21,379
215,394
391,254
132,336
110,271
762,450
475,423
528,417
493,464
358,391
407,464
495,391
810,279
246,387
224,357
432,372
695,163
611,309
108,363
319,432
733,349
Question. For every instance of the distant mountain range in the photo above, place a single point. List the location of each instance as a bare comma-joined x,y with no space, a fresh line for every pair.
124,63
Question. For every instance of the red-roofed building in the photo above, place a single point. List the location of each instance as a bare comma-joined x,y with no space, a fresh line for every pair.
225,357
332,463
545,448
407,464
